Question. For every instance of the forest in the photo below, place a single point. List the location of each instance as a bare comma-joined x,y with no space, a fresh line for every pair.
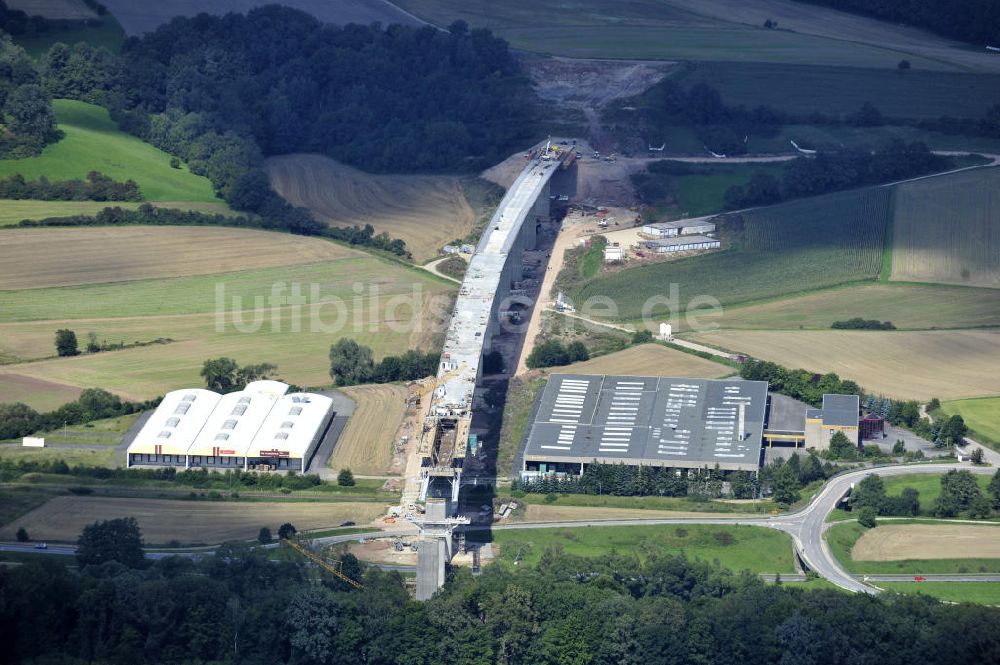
976,21
222,93
236,606
27,123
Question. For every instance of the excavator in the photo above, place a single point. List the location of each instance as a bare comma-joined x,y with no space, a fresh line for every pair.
335,568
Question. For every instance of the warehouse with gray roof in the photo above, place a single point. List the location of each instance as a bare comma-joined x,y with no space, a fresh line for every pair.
647,421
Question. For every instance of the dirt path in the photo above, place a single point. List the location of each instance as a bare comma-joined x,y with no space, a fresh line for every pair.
432,267
569,231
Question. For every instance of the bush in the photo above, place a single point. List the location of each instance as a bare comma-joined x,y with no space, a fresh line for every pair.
264,536
22,535
842,448
66,344
858,323
345,478
866,517
287,531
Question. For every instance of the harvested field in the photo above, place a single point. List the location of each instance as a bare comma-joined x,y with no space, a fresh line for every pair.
178,322
908,306
63,518
649,360
950,364
365,446
898,542
45,395
36,258
53,9
139,16
427,212
947,229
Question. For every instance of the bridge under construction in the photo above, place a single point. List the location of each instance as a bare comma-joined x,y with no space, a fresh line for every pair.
489,289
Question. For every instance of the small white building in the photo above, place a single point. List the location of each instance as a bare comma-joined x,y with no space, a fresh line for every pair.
682,244
614,253
673,229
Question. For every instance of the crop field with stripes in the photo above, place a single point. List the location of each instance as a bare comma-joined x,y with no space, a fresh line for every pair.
790,248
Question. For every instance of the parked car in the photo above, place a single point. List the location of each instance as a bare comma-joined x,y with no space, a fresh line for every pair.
41,546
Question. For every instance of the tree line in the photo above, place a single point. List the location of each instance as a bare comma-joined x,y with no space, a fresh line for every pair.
95,187
201,479
974,22
553,353
781,479
799,384
27,123
352,363
657,608
960,496
726,129
858,323
18,419
834,170
298,221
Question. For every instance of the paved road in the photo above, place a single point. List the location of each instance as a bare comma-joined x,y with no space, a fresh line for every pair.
805,526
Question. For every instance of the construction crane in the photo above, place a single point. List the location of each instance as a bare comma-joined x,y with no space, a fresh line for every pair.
334,568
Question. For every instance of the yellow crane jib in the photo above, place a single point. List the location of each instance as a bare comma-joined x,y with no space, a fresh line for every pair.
332,568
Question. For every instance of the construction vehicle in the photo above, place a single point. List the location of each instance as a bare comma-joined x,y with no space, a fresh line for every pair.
335,568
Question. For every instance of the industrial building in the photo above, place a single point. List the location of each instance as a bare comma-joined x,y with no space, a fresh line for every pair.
260,427
839,413
646,421
681,244
673,229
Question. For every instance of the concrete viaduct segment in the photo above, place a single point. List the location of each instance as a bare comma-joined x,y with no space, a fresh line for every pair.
487,291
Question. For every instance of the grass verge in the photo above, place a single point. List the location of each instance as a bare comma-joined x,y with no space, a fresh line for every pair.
757,549
984,593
